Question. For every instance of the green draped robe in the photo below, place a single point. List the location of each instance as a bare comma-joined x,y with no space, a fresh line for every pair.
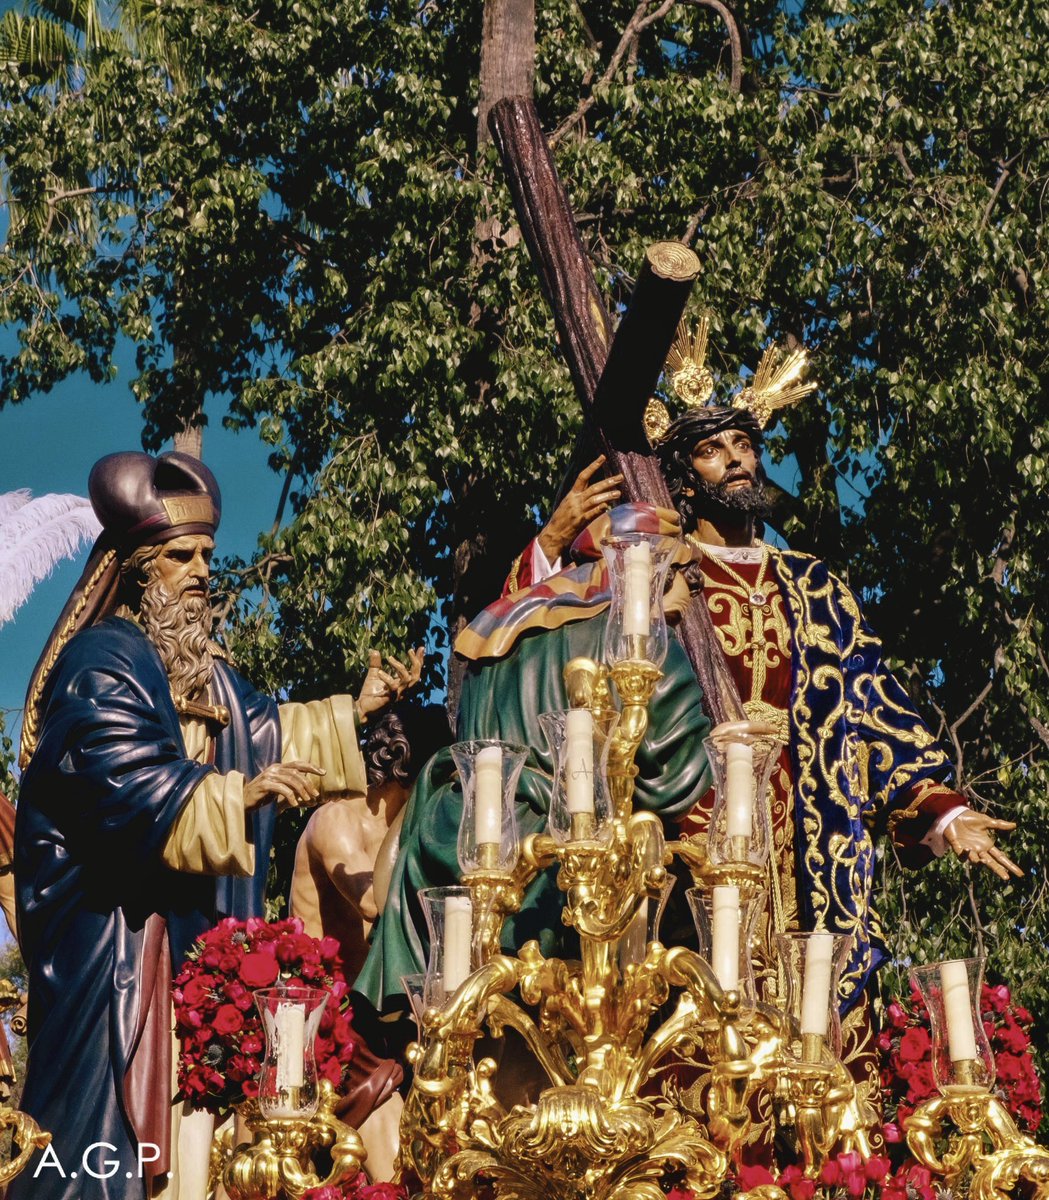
502,699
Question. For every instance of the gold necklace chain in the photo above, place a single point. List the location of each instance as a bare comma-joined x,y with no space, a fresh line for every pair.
754,592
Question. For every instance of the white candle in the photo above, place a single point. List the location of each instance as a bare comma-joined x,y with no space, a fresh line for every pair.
291,1043
458,933
725,949
957,1003
815,994
488,796
637,589
739,789
579,760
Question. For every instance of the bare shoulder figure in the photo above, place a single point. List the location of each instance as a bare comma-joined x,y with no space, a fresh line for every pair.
331,887
332,891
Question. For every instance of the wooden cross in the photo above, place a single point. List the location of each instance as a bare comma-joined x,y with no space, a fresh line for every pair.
614,376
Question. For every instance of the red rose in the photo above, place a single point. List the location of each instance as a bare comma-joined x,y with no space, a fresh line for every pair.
922,1086
251,1089
752,1176
391,1191
251,1044
915,1045
332,1071
228,1019
329,948
1011,1037
830,1173
877,1168
897,1017
996,999
197,991
258,970
793,1182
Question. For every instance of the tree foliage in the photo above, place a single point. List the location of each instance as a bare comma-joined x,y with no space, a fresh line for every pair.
305,233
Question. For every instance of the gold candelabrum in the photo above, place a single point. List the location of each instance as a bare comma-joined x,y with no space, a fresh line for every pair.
965,1134
279,1160
599,1027
26,1135
966,1131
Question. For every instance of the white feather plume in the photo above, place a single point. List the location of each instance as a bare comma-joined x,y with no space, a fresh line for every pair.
35,535
12,501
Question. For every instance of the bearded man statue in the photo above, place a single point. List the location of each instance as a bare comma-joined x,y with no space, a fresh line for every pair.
153,773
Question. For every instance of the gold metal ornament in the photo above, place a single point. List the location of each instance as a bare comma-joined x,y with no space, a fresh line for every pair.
598,1027
26,1134
279,1158
690,377
982,1140
777,383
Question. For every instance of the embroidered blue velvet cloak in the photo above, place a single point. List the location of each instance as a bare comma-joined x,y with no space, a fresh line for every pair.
98,800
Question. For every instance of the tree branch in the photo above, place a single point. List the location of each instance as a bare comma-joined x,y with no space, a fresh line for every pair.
637,24
633,28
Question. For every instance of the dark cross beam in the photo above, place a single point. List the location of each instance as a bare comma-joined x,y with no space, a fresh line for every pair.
614,376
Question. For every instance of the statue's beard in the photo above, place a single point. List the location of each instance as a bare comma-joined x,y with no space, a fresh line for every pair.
179,627
719,502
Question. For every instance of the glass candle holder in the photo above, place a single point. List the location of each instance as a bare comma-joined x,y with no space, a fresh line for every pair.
725,927
637,569
291,1014
488,772
644,928
580,806
961,1051
454,949
812,964
741,763
415,989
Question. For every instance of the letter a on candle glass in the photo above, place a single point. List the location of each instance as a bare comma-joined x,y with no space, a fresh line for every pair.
637,588
579,760
957,1006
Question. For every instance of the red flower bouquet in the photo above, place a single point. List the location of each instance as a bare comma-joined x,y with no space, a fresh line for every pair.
906,1045
215,1017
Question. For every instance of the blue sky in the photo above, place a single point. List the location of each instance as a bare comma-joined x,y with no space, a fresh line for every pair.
49,444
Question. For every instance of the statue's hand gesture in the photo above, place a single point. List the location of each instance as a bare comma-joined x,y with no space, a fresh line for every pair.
970,835
583,502
291,784
381,688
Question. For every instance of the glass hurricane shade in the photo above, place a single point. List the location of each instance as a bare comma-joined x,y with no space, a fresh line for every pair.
291,1014
637,568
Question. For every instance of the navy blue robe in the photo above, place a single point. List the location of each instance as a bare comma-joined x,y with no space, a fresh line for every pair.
97,803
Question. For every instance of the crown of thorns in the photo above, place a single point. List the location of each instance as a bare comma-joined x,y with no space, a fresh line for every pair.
776,383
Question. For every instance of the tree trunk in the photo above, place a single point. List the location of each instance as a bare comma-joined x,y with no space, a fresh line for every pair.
507,57
190,440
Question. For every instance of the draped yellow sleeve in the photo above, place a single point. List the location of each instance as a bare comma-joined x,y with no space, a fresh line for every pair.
210,835
324,732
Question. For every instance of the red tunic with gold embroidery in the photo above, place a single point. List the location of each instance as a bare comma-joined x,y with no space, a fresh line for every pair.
747,610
